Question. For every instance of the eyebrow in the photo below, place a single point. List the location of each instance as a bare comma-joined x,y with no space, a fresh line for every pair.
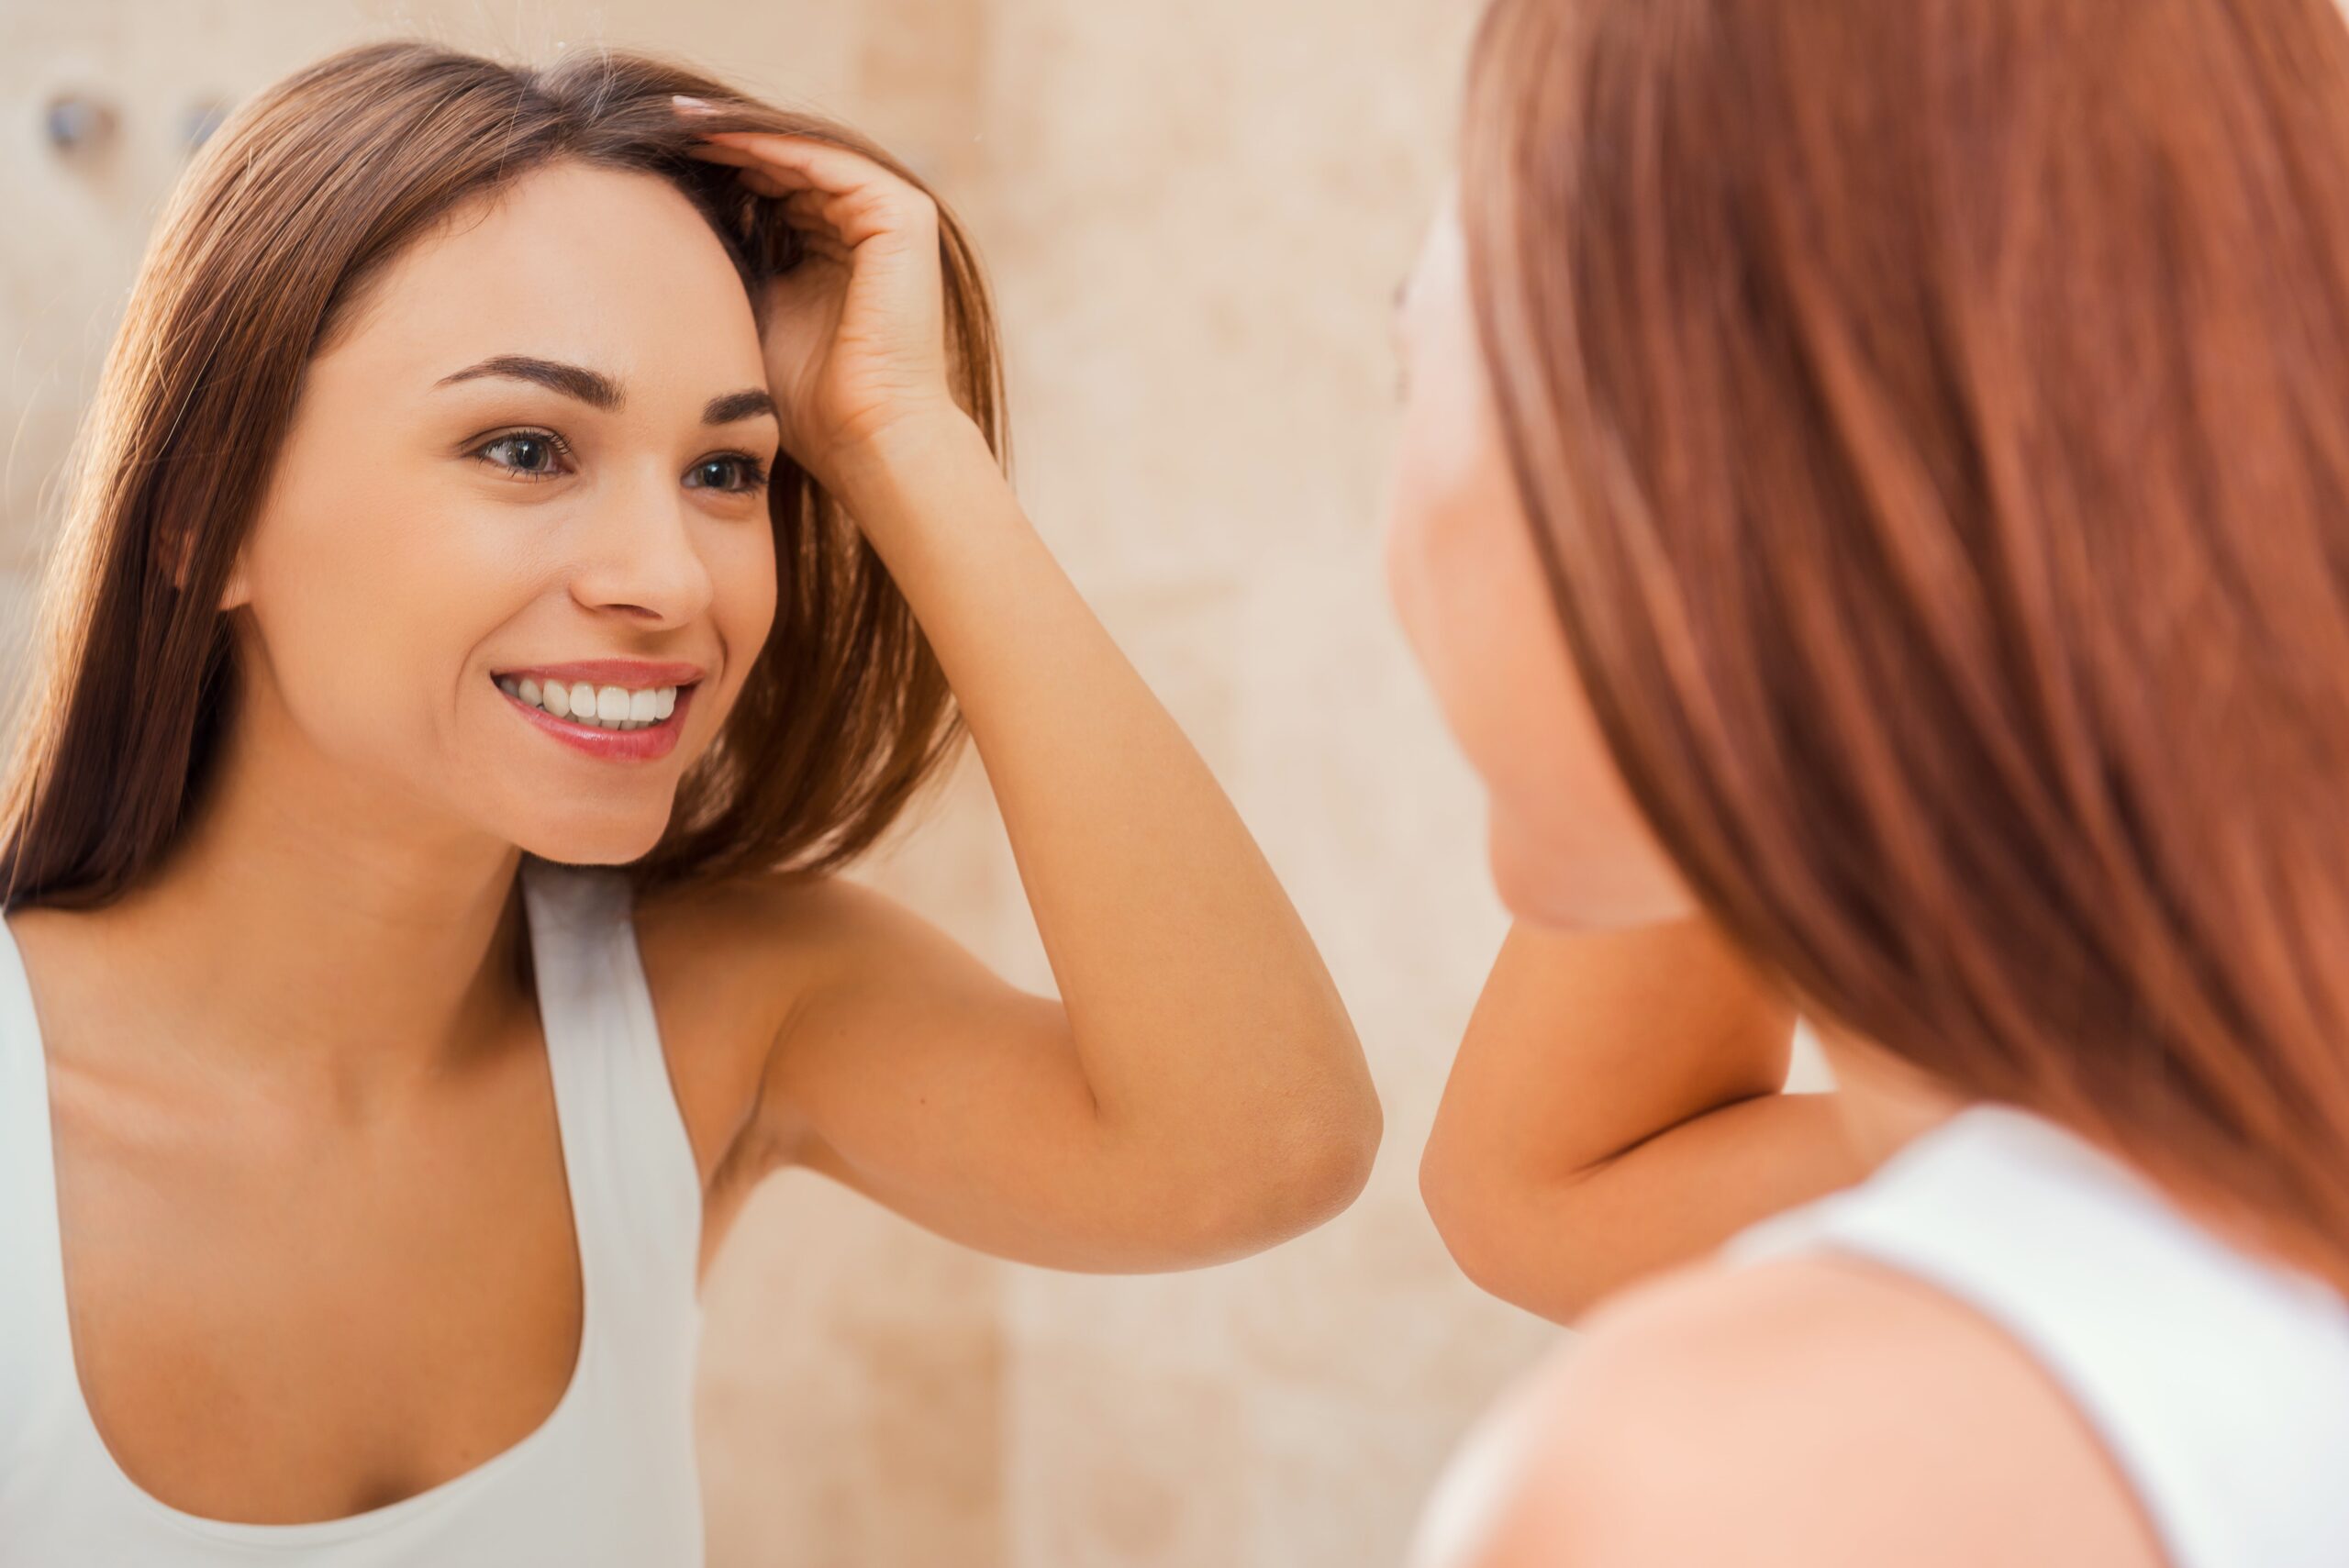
599,391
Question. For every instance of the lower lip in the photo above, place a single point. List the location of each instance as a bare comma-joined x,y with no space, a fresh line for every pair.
643,745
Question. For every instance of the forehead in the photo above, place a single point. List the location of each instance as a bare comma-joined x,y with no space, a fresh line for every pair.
597,266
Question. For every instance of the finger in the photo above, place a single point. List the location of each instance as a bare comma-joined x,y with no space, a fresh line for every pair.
825,166
870,213
766,184
807,209
760,177
812,213
882,203
738,158
829,248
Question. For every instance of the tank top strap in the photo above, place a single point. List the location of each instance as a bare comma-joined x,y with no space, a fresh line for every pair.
37,1381
2218,1382
634,1182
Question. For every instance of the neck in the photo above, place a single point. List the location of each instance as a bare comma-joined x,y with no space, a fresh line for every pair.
1884,1101
307,926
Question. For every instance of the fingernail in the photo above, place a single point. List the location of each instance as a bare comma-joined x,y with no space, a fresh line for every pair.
693,106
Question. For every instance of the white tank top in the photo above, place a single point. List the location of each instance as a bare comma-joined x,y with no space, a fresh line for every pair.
2219,1382
607,1480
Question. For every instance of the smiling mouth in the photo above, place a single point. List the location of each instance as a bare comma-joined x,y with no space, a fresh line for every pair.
611,708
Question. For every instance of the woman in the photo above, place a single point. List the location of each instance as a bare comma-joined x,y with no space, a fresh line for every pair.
1874,489
422,931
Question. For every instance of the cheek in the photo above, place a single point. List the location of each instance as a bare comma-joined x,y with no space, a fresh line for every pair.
744,593
361,600
375,574
1446,496
1567,845
1466,588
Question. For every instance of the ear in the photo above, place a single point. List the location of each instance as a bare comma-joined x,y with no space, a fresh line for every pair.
234,591
237,591
176,544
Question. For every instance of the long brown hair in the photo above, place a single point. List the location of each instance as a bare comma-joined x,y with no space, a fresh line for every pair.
1935,414
270,238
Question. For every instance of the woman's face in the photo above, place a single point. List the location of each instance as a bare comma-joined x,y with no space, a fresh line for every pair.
588,512
1568,847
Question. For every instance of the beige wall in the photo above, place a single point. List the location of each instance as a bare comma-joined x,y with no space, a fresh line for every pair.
1196,215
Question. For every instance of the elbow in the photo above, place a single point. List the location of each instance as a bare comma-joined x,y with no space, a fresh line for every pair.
1461,1209
1315,1146
1317,1166
1492,1233
1300,1171
1333,1163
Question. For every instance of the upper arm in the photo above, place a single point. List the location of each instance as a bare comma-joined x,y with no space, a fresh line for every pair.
781,1000
899,1063
1813,1413
900,1055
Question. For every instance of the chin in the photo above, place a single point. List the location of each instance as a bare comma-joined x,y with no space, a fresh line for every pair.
608,843
1583,889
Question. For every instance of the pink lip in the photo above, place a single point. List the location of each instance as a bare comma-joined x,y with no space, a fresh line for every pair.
631,673
612,745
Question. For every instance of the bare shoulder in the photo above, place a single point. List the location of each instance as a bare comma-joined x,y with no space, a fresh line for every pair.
730,963
768,915
1817,1411
771,937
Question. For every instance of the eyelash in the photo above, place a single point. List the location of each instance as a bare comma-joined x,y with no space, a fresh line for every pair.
756,470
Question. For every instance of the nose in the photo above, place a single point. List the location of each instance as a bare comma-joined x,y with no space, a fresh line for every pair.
640,552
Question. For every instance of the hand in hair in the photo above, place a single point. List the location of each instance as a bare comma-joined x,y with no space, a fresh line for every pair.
1195,1090
855,334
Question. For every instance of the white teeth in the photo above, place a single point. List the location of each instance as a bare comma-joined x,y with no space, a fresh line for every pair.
599,707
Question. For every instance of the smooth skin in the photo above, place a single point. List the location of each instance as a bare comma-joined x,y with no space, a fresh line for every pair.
1616,1112
305,1125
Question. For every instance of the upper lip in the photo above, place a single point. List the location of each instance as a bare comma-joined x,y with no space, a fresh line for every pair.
632,672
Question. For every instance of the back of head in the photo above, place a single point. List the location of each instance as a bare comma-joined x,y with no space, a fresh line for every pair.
265,253
1936,420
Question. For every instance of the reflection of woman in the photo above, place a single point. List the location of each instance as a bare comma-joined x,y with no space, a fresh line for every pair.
425,571
1875,475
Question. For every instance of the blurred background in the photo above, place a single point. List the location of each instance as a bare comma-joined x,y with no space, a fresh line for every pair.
1196,217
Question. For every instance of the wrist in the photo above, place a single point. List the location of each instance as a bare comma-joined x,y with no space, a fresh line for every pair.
868,473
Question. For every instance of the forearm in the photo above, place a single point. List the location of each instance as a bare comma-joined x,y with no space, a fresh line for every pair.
1208,1027
1559,1246
1615,1107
